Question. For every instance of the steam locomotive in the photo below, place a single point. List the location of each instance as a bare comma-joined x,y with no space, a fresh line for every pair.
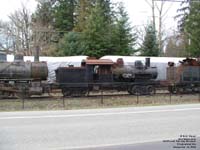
25,79
137,79
104,74
22,78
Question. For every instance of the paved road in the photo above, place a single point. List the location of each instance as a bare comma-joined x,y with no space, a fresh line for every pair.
159,145
63,130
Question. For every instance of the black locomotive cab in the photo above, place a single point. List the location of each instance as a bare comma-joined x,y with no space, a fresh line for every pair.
99,70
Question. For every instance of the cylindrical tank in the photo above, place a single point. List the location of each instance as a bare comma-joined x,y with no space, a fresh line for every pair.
39,70
18,70
23,70
133,72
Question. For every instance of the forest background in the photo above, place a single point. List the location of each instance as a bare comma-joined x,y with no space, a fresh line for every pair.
97,28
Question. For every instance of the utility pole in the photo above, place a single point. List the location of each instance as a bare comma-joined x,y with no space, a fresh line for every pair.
153,14
160,32
152,5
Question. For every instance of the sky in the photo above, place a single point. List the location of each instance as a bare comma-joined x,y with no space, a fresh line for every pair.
139,11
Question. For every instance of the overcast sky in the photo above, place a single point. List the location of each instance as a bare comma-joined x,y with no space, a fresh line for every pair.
139,11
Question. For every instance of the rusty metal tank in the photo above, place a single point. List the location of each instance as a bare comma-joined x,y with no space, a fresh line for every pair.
187,71
137,71
23,70
39,70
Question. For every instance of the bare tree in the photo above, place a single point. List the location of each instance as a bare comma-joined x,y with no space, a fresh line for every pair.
176,45
21,29
5,38
44,34
16,33
160,22
159,8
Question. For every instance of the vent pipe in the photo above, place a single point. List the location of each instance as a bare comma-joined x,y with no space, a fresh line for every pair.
36,57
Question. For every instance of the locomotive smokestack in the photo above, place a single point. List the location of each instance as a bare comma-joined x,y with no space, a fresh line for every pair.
19,57
147,62
36,57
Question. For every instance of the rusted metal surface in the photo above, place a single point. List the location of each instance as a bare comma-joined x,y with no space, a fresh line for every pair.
120,62
39,70
23,70
184,78
171,74
190,62
99,62
17,70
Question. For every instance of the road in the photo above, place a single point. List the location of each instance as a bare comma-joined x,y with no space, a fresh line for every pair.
98,128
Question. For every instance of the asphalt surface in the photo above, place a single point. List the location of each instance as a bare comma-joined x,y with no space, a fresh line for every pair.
119,128
159,145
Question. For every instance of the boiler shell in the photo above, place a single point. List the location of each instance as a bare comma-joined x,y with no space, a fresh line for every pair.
39,70
23,70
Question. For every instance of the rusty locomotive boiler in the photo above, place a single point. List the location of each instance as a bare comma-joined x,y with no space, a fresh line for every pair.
23,70
140,77
135,72
22,78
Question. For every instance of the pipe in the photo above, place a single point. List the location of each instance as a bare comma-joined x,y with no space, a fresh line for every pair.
36,57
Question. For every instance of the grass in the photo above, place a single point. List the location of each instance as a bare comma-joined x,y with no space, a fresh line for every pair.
91,102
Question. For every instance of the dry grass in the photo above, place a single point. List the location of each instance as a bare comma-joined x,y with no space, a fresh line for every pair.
95,102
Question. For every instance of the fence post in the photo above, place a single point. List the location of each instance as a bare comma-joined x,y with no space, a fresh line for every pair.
199,93
23,101
102,97
23,94
137,98
63,99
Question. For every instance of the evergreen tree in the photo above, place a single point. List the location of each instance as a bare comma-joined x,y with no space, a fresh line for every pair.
71,44
189,21
123,38
82,12
192,29
64,15
150,45
43,15
97,34
86,27
183,13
